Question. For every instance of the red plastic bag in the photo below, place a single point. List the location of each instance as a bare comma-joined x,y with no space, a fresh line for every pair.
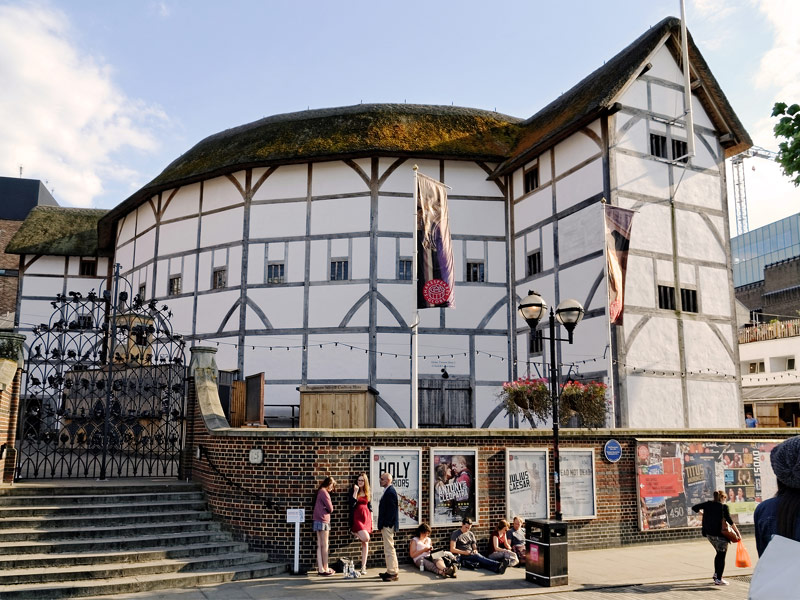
742,557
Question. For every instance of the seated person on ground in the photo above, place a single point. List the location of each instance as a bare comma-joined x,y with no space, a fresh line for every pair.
500,546
420,551
517,535
464,545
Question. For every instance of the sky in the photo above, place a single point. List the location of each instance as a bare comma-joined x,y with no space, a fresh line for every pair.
99,97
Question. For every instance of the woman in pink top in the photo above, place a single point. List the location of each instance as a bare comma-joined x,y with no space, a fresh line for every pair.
323,507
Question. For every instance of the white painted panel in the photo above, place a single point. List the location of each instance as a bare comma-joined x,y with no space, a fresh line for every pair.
181,314
496,267
338,362
395,214
340,248
726,331
664,66
145,247
288,181
699,114
519,263
474,250
276,251
73,265
124,256
295,268
214,307
401,296
490,368
467,178
574,150
185,202
177,237
577,281
84,284
499,320
639,288
714,402
255,263
146,217
360,318
475,217
204,272
235,266
518,186
175,266
226,356
328,304
543,286
643,176
277,363
126,228
654,400
277,220
398,399
635,95
591,339
359,269
219,192
704,350
340,215
699,189
394,364
687,274
387,258
54,265
222,227
651,229
666,275
545,171
667,102
714,291
547,247
429,317
458,260
42,286
336,178
655,346
635,137
580,185
385,317
705,158
443,351
188,273
402,179
472,305
161,278
695,239
283,306
580,233
406,246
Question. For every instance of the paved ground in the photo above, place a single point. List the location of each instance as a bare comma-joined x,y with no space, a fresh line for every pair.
658,572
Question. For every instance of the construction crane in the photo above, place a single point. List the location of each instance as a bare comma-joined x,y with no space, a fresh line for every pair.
739,189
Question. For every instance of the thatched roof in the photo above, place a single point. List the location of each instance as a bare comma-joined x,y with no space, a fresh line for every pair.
599,91
57,230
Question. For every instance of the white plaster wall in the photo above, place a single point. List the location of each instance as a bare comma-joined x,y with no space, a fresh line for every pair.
124,256
715,403
338,362
667,102
647,177
469,179
402,179
235,266
635,95
533,208
491,368
85,284
340,215
655,346
651,229
401,296
394,363
295,263
705,158
320,268
695,239
34,312
185,202
713,292
485,402
277,220
476,217
328,304
219,193
146,217
176,237
704,351
545,162
699,189
699,114
395,214
635,137
655,402
639,288
398,397
288,181
664,66
42,286
573,151
580,233
580,185
359,268
687,274
222,227
255,264
213,308
336,177
188,283
473,303
226,356
387,258
577,281
145,247
45,265
126,228
283,306
182,315
385,317
277,363
496,262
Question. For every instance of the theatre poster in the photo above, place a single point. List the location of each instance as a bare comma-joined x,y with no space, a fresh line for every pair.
454,485
405,466
527,483
578,496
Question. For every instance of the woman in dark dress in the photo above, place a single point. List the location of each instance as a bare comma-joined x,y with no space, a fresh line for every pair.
714,511
361,516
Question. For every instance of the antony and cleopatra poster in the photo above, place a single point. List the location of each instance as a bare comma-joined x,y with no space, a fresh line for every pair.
674,475
454,484
404,464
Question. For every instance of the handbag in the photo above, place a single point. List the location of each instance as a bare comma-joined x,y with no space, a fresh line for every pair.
773,576
742,556
728,532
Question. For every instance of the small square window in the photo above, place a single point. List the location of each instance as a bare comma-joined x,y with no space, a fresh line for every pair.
535,342
658,145
88,268
85,322
275,273
534,263
142,291
790,364
404,269
679,150
175,285
689,300
475,272
757,367
530,179
339,270
666,297
220,278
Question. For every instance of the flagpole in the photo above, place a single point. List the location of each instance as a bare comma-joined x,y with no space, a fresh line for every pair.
613,416
415,325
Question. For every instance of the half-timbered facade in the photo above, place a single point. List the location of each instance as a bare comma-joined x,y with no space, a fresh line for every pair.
288,243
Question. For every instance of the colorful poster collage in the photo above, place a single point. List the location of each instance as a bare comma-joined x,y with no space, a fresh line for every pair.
526,483
674,475
405,466
454,485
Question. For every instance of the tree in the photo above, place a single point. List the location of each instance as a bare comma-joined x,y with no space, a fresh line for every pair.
789,128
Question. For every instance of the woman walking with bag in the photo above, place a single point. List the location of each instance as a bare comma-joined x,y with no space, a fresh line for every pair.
361,516
323,507
715,513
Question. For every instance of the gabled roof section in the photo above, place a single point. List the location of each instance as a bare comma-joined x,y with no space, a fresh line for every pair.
597,93
59,231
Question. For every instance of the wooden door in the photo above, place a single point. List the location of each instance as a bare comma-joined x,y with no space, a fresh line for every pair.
445,403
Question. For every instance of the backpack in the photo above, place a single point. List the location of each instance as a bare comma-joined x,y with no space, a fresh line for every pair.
774,577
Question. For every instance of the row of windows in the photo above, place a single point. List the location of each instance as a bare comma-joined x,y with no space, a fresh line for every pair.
666,298
658,148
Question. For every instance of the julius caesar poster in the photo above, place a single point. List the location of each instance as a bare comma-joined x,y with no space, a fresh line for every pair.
454,485
526,483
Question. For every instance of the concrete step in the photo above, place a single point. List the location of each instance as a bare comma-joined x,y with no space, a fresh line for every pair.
113,543
66,559
61,511
90,487
122,570
143,583
107,498
98,533
100,520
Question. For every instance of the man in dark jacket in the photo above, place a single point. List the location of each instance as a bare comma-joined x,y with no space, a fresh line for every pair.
388,523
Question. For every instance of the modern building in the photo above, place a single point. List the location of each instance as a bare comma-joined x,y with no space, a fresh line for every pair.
287,243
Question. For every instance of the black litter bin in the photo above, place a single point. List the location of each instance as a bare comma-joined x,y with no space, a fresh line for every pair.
546,556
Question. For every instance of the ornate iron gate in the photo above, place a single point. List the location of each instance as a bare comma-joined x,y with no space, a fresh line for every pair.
104,393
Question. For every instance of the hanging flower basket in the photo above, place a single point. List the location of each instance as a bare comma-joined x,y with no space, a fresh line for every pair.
586,401
527,397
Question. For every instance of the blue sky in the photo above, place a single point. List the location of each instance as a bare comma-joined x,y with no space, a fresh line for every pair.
100,96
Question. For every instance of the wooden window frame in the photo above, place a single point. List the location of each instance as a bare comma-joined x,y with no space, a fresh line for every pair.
340,269
530,179
533,267
171,287
215,282
87,267
271,278
476,271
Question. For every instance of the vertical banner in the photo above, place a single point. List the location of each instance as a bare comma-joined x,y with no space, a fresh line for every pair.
454,485
526,483
405,467
618,237
435,273
578,497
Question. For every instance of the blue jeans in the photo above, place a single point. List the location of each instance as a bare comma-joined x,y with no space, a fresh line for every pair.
479,560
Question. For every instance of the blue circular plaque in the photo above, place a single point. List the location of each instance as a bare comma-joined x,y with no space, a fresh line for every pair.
612,450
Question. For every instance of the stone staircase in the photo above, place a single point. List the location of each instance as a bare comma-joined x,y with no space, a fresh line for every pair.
67,539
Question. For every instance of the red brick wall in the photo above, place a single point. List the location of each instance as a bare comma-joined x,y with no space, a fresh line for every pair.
296,460
9,407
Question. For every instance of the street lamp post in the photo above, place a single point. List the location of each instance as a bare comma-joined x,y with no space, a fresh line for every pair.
569,313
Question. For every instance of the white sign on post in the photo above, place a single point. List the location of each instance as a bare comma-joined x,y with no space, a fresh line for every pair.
296,516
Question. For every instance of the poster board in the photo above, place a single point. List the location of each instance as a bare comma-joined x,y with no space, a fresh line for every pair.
578,493
254,408
454,485
405,466
527,483
674,475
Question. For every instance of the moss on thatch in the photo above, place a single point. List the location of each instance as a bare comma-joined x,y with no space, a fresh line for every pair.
57,230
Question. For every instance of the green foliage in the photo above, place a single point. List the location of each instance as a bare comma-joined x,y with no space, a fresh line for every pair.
9,349
587,401
788,128
531,399
527,397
